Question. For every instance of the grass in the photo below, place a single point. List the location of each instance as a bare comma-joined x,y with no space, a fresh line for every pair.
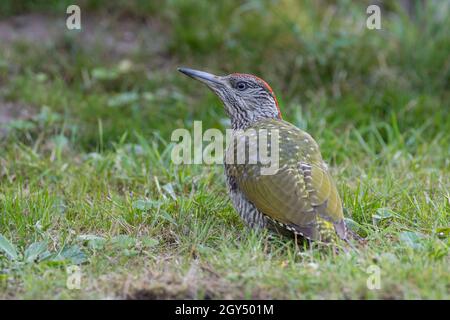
87,177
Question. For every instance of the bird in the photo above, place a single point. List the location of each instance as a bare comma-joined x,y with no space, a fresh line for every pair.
299,198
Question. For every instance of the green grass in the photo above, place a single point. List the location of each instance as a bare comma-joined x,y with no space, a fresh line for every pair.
88,176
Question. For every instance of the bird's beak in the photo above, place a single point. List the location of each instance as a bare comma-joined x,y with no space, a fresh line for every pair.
207,78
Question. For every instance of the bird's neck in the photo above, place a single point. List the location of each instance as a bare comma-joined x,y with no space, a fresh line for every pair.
242,123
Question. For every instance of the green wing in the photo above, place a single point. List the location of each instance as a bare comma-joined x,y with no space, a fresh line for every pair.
301,194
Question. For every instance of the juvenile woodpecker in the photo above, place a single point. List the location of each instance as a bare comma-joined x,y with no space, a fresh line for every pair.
300,197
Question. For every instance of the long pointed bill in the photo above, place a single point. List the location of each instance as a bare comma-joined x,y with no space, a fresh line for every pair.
205,77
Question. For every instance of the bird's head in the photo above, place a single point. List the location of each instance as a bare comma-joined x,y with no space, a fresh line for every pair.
246,98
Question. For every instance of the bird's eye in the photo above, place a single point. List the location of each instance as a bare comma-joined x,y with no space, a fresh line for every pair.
241,86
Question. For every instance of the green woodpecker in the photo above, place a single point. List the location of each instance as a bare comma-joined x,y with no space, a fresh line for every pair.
300,197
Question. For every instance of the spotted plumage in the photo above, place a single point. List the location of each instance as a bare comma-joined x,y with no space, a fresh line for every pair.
299,197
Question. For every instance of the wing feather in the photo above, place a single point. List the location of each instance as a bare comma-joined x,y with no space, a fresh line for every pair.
301,194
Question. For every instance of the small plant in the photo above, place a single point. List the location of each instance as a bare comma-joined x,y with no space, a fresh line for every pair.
38,252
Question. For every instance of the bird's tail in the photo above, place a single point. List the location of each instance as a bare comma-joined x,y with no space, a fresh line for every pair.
356,237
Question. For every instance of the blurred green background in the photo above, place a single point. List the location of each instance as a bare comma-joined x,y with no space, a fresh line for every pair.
86,118
317,55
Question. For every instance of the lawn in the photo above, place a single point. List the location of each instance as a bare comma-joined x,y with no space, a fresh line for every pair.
87,185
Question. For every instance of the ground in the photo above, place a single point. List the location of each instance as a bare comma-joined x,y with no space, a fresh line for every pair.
86,178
